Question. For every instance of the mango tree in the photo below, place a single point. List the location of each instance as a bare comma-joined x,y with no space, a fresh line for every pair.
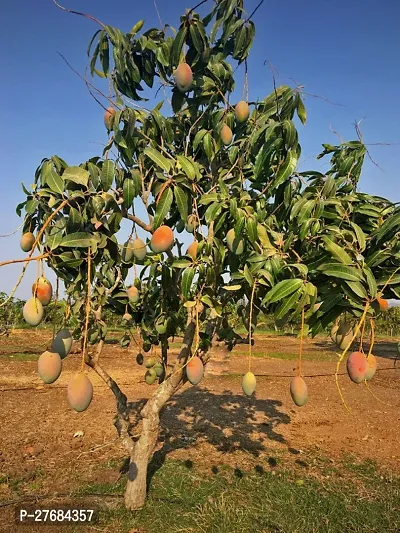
276,240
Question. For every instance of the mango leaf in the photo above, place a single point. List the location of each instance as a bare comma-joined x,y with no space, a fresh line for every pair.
181,263
107,174
158,159
188,166
286,169
182,200
232,287
187,278
76,174
177,47
370,281
248,276
358,288
282,290
128,188
163,207
360,236
301,110
79,239
337,251
285,306
338,270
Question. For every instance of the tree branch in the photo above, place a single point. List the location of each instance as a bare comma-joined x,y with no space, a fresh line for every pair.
79,13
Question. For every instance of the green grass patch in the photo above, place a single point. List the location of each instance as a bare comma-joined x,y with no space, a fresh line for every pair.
313,356
352,498
16,356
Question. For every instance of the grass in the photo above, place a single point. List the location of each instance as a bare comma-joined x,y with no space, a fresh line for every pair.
353,497
315,356
21,356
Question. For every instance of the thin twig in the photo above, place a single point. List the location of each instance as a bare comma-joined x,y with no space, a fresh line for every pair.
79,13
360,137
37,258
255,9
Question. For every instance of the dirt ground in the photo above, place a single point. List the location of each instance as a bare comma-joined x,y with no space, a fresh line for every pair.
209,424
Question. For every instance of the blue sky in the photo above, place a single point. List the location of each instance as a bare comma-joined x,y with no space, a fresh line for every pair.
344,52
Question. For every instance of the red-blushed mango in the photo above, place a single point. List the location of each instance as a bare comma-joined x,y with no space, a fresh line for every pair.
33,311
357,367
27,241
80,392
150,376
109,117
195,370
43,290
162,239
139,249
62,343
127,251
133,294
49,366
298,391
371,368
235,245
192,250
242,111
380,304
184,77
226,135
249,383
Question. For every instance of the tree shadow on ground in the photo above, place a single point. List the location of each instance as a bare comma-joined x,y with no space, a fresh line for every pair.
382,348
227,421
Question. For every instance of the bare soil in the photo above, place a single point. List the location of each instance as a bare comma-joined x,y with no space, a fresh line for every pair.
210,424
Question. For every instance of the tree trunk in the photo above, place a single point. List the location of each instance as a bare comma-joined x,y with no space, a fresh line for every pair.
136,488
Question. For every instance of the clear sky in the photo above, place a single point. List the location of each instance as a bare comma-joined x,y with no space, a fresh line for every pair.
345,52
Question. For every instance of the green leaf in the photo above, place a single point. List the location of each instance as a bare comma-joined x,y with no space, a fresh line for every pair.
248,276
358,288
163,207
188,166
301,110
107,174
282,290
251,228
196,38
182,201
128,188
232,287
158,159
360,236
337,251
286,169
338,270
213,210
370,281
137,27
54,181
74,220
177,47
187,278
289,303
79,239
181,263
76,174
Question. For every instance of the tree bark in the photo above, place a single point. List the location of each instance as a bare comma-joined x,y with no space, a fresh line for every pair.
136,488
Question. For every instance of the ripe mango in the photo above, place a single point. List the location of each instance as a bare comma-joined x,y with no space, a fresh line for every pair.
298,391
49,366
133,294
192,250
249,383
357,367
184,77
226,135
242,111
33,311
43,290
162,239
80,392
195,370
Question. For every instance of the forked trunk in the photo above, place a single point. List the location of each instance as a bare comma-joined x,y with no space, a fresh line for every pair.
136,488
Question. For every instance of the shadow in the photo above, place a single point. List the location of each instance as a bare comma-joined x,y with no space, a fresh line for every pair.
382,348
227,421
